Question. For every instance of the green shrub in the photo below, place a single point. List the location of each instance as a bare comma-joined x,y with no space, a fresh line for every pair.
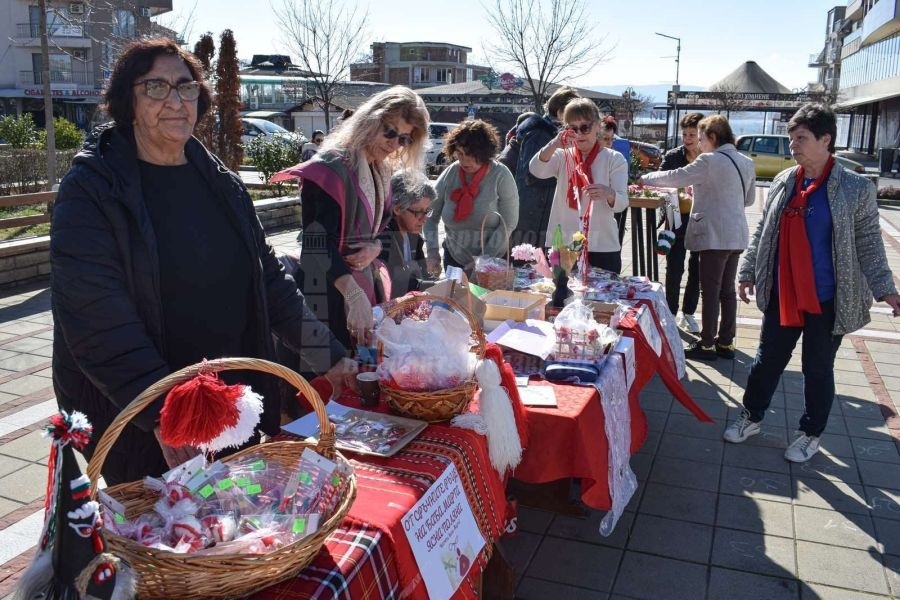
66,133
24,170
19,132
271,156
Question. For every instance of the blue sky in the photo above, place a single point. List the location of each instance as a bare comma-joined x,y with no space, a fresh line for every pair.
716,37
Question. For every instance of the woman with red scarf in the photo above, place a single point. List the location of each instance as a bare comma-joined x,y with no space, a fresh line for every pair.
472,191
816,261
588,178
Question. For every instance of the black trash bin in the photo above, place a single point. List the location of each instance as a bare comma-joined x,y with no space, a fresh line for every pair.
886,159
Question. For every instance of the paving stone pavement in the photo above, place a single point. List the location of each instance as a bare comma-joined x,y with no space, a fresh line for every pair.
709,520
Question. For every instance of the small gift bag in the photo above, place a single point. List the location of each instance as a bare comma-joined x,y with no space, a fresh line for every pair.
491,272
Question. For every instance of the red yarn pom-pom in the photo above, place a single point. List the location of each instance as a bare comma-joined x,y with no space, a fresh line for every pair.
198,410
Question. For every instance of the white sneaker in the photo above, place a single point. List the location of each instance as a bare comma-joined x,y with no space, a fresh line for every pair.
688,323
802,448
741,429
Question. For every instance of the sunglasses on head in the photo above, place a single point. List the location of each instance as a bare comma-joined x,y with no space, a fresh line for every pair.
403,139
582,129
159,89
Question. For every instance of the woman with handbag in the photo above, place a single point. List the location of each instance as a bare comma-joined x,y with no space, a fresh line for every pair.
475,192
724,185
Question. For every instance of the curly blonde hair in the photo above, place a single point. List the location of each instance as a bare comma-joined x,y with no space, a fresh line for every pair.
357,133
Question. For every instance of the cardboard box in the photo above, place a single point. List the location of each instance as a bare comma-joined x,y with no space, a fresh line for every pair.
459,291
625,347
518,306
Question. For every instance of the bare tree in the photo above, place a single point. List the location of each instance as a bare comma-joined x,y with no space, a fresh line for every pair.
631,103
547,41
228,136
726,98
325,37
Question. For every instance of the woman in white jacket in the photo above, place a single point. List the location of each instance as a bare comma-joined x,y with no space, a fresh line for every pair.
599,181
724,185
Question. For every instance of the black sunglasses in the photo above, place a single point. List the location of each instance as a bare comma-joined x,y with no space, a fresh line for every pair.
403,139
582,129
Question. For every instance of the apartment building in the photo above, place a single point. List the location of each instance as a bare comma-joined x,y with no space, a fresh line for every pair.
418,64
85,37
860,68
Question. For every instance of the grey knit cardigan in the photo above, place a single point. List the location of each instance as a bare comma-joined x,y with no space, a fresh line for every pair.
860,265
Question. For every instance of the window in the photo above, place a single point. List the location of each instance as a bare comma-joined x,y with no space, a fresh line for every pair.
123,23
766,145
744,144
786,146
444,75
421,75
60,68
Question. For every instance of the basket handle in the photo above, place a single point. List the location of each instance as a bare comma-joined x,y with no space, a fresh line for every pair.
326,445
505,230
399,307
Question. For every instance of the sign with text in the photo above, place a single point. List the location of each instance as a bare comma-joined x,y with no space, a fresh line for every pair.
444,536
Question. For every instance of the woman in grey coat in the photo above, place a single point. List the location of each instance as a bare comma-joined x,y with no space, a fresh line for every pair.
815,261
724,185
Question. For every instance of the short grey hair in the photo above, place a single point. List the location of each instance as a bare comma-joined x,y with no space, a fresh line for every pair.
406,190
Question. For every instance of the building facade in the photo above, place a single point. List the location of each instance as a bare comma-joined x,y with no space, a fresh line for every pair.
417,64
85,37
869,74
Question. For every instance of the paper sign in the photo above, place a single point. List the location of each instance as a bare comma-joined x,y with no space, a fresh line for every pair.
443,534
538,395
533,337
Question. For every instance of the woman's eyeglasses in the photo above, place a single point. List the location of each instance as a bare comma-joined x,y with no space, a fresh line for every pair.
403,139
420,214
159,89
583,129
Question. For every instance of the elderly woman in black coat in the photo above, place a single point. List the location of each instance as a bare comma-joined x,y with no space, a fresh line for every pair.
159,262
402,240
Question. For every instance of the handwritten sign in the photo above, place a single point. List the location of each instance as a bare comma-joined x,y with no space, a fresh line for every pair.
443,534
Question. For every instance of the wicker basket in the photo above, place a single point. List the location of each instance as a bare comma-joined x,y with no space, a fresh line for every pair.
437,405
504,279
163,574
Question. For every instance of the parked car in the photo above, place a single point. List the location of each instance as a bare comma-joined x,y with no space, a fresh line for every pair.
649,154
435,161
254,128
771,154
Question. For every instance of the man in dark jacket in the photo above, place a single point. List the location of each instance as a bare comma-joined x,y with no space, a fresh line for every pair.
675,159
536,195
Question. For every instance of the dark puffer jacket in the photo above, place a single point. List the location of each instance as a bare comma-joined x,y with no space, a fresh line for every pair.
535,195
108,319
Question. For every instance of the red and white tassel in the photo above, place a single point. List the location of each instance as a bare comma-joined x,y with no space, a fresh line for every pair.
250,406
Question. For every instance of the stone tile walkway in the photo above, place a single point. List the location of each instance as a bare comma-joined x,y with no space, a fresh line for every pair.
709,521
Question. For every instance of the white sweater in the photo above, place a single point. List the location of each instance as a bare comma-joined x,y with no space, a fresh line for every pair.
609,168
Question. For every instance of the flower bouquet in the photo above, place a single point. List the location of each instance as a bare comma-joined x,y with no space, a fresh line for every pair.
563,259
524,255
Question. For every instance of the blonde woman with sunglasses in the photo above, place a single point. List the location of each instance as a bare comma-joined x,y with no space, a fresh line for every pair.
346,204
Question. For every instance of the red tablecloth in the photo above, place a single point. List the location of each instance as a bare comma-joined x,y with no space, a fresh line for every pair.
369,556
570,440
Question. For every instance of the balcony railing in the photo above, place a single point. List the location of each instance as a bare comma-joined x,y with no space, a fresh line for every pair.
75,77
33,30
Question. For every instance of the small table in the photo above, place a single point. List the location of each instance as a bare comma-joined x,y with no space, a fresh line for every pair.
641,263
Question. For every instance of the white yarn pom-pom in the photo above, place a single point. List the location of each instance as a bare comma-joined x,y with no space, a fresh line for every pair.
250,407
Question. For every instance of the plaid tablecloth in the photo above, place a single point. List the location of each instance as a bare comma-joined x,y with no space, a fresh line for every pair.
369,556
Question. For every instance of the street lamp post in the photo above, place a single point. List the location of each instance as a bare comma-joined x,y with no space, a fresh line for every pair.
676,88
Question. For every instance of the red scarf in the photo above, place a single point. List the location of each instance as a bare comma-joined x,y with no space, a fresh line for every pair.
796,283
465,194
580,175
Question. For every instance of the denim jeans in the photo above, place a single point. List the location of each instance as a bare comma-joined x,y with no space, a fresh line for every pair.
675,271
776,343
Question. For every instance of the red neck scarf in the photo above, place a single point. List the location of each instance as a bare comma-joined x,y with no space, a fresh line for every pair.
580,175
465,194
796,283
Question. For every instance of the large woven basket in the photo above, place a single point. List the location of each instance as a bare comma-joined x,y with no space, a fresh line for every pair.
163,574
504,279
437,405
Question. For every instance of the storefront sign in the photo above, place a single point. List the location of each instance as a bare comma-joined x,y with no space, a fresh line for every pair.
443,534
65,93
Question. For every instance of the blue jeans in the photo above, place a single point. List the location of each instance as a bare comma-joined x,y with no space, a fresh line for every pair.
776,343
